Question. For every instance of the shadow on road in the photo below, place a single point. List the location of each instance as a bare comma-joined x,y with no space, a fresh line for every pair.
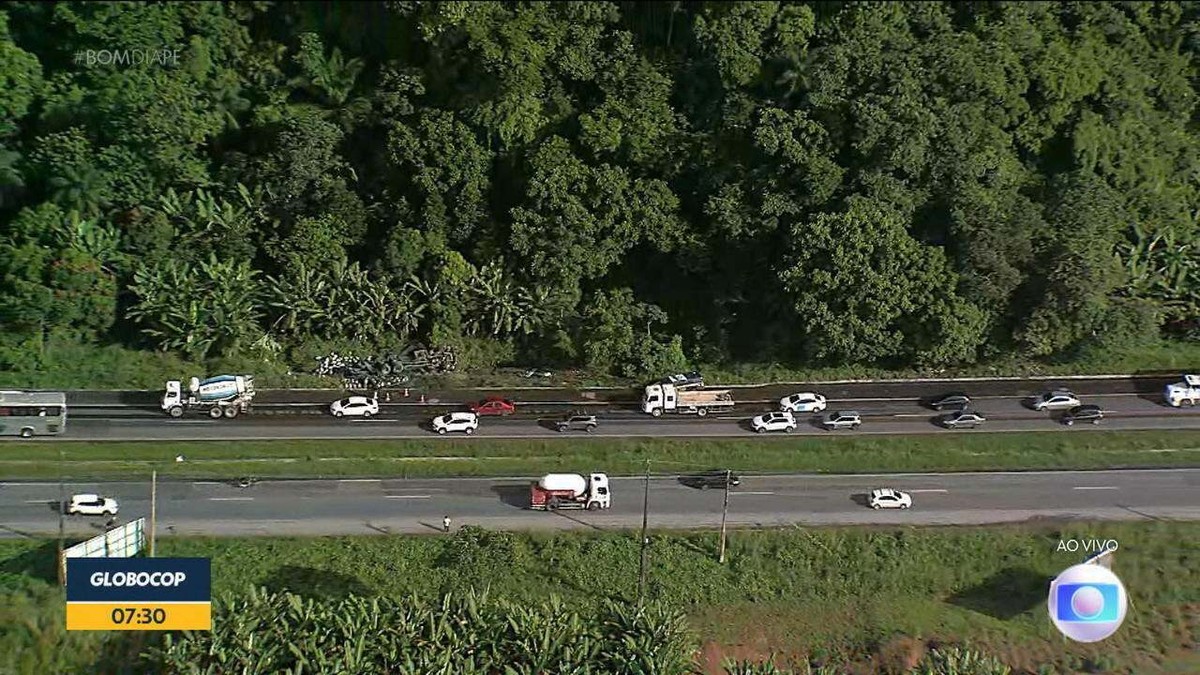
314,583
862,499
513,494
1006,594
548,423
585,523
435,528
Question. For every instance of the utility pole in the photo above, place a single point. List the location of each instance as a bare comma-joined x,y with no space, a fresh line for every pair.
724,513
153,507
62,505
645,538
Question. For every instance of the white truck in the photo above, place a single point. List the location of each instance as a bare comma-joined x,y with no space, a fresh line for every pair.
1185,392
222,396
570,491
660,398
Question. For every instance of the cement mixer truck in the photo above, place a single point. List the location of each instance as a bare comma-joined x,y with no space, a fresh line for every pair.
570,491
222,396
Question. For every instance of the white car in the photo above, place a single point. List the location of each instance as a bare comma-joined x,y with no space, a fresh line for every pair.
803,403
887,498
1056,400
466,422
355,406
775,421
91,505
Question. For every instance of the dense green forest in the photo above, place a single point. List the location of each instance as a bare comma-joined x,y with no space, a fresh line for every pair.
624,186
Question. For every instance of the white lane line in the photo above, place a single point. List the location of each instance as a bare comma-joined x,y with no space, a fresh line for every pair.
407,497
38,501
930,490
205,482
231,499
1099,487
359,480
739,492
928,414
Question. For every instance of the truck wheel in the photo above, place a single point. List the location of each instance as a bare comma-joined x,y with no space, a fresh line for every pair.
761,430
367,415
231,412
1095,421
176,411
789,429
593,506
552,504
442,431
27,433
470,431
1069,422
214,413
561,428
591,428
657,412
338,414
702,412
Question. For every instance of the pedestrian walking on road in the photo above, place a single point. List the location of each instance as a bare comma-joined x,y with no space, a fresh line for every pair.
446,524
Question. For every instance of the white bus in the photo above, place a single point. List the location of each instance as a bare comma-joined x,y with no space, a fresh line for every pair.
32,413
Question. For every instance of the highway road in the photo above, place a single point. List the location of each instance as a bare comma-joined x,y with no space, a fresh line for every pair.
370,506
881,415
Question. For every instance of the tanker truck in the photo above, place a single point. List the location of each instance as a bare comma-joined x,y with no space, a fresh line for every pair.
570,491
221,396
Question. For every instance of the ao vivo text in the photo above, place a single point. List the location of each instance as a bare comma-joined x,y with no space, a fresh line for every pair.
138,578
1086,545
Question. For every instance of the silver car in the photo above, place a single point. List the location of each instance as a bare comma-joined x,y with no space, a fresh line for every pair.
842,419
1056,400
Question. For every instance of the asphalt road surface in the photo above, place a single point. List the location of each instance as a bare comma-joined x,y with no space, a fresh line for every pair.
881,415
1144,385
369,506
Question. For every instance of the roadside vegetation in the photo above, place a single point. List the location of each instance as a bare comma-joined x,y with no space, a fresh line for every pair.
625,188
857,600
938,451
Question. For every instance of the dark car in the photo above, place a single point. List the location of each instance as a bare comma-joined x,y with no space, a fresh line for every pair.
577,422
710,479
963,418
680,379
955,399
1083,413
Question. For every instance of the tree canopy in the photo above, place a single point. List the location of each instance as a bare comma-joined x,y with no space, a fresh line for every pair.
628,186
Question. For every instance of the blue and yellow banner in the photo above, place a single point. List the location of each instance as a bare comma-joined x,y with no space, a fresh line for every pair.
139,594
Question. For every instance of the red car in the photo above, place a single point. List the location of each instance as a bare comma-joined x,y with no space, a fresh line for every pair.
494,406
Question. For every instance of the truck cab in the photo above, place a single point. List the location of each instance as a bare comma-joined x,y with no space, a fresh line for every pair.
1186,392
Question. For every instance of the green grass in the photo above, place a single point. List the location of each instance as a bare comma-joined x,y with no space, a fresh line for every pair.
840,592
493,457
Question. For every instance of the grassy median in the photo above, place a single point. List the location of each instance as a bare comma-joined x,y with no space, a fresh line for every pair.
487,457
841,594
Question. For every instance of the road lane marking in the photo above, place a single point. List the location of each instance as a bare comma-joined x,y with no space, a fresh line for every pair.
930,490
231,499
407,497
359,480
1100,487
39,501
206,482
739,492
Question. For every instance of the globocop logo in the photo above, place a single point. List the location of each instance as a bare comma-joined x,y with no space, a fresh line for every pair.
1087,603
